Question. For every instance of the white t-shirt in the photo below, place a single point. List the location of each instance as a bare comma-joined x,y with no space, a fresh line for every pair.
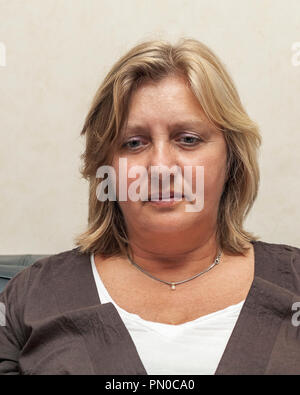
194,347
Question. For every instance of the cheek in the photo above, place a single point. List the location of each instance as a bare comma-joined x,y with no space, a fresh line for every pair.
214,179
214,163
122,170
123,183
125,207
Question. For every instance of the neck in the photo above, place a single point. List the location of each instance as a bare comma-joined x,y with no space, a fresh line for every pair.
174,257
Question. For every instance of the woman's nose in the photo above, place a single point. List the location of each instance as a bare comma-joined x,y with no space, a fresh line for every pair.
162,154
162,165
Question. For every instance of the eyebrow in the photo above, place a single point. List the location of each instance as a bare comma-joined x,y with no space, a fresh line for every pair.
200,125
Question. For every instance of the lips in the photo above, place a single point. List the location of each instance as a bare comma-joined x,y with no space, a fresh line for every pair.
171,195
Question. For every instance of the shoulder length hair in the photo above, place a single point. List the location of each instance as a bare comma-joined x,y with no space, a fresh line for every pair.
212,85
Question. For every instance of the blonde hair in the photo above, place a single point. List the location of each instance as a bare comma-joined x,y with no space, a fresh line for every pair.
213,87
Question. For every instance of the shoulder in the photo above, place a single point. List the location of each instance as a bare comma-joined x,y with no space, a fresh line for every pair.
52,285
279,263
45,271
59,261
47,288
47,264
59,270
275,249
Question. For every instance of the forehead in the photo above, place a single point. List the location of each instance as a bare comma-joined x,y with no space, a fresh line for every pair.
197,124
170,89
169,102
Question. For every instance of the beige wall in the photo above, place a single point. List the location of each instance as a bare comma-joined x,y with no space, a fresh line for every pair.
58,51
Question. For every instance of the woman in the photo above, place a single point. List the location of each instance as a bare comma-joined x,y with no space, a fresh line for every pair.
155,286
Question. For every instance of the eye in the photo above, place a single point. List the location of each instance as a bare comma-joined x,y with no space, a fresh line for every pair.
132,144
190,140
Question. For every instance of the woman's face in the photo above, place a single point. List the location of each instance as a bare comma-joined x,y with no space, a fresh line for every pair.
166,126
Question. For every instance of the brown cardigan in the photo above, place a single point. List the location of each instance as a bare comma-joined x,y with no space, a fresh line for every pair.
56,324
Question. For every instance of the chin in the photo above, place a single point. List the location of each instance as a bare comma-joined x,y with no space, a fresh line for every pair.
166,223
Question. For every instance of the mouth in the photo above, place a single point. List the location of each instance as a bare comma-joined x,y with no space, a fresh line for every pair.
165,199
165,196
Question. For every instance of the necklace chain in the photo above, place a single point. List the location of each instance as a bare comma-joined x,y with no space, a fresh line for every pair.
174,283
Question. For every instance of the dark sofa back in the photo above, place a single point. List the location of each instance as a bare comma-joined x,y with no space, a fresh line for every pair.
10,265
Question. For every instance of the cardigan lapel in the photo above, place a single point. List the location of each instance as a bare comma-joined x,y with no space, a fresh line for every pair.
259,338
108,343
255,334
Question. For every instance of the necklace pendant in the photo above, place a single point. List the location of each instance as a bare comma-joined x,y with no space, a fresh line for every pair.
173,287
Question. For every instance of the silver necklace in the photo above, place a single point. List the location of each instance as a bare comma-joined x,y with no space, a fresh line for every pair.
174,283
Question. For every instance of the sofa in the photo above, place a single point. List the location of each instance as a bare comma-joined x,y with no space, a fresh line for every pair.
10,265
